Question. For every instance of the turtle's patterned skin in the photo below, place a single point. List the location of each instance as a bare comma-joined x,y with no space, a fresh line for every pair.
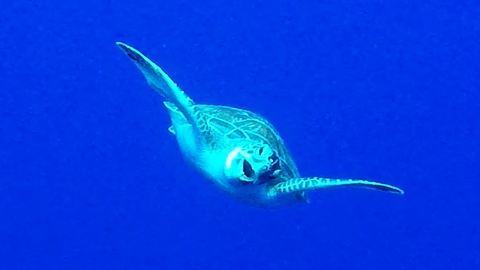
238,150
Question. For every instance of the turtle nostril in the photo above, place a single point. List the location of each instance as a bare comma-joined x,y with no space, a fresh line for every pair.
247,169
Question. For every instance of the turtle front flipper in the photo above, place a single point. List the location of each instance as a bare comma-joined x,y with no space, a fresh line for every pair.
156,77
296,185
165,86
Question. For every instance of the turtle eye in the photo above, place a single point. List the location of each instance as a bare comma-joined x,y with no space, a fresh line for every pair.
247,169
260,151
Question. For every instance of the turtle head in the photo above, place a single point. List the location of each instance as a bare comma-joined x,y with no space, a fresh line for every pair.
252,163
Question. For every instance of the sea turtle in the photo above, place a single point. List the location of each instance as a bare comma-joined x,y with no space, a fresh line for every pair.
238,150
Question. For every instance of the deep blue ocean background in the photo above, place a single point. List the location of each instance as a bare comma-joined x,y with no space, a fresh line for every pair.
383,90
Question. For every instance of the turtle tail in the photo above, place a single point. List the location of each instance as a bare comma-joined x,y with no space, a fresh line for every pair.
296,185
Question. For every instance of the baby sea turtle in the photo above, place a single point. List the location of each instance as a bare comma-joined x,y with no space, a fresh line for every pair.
238,150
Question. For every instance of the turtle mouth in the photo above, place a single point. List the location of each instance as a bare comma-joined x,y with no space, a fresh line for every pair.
248,169
257,178
272,171
254,167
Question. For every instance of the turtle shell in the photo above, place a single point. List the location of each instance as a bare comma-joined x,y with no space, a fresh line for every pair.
233,123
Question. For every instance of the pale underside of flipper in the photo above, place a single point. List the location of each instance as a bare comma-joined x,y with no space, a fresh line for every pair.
314,183
165,86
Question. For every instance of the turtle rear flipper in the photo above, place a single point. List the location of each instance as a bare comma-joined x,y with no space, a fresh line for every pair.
313,183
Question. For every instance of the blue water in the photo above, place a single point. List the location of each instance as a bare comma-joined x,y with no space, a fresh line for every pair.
383,90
